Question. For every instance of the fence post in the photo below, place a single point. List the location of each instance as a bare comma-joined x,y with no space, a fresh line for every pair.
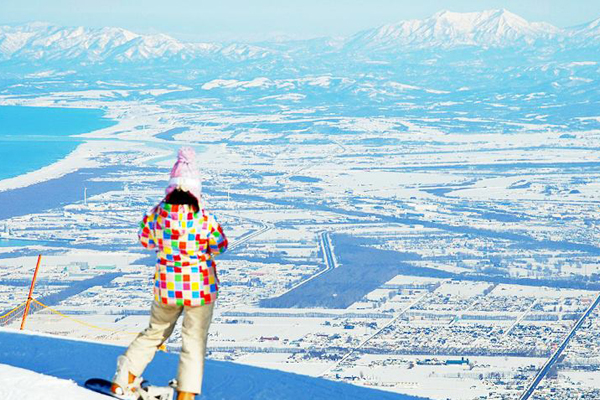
29,298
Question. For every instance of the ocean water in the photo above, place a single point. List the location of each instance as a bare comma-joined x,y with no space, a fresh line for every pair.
33,137
20,243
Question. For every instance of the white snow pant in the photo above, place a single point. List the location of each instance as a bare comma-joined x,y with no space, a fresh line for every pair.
194,334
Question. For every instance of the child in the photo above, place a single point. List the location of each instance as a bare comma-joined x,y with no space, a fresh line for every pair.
186,239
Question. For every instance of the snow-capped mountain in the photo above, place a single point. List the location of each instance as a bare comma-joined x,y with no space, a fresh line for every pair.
40,44
586,34
445,29
45,42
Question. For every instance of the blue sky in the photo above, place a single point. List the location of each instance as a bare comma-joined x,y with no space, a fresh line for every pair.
201,20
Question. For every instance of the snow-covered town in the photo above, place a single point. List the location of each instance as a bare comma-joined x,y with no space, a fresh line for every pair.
421,237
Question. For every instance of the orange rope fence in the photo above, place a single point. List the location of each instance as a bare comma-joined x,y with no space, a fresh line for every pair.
16,312
32,305
80,322
37,305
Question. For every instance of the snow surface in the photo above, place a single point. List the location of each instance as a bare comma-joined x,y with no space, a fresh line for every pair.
77,360
22,384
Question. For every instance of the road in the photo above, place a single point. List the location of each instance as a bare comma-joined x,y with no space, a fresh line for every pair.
390,322
327,249
264,227
330,261
552,360
521,318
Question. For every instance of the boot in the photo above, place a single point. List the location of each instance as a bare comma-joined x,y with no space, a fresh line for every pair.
116,389
185,396
125,384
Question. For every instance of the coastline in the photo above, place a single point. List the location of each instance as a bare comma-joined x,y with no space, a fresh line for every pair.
86,155
55,192
79,157
134,130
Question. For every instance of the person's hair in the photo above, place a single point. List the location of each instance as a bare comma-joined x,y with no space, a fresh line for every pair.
178,196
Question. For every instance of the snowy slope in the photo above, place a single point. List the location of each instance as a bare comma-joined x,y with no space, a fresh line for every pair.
79,360
22,384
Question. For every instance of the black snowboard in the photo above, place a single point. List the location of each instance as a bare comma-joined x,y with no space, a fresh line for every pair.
101,386
146,391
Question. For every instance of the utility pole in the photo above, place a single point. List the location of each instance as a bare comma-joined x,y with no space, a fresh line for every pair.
29,298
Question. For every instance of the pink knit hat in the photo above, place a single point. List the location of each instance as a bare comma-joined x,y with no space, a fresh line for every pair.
185,175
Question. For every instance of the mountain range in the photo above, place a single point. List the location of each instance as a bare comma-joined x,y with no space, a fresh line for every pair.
445,29
491,29
42,41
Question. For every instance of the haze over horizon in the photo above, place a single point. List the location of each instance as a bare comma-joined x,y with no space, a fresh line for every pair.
266,19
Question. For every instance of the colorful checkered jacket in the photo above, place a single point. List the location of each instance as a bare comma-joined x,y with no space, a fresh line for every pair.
185,242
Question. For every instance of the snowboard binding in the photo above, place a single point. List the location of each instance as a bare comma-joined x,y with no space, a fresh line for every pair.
144,392
149,392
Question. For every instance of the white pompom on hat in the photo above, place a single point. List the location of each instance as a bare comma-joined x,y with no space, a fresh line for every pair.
185,175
